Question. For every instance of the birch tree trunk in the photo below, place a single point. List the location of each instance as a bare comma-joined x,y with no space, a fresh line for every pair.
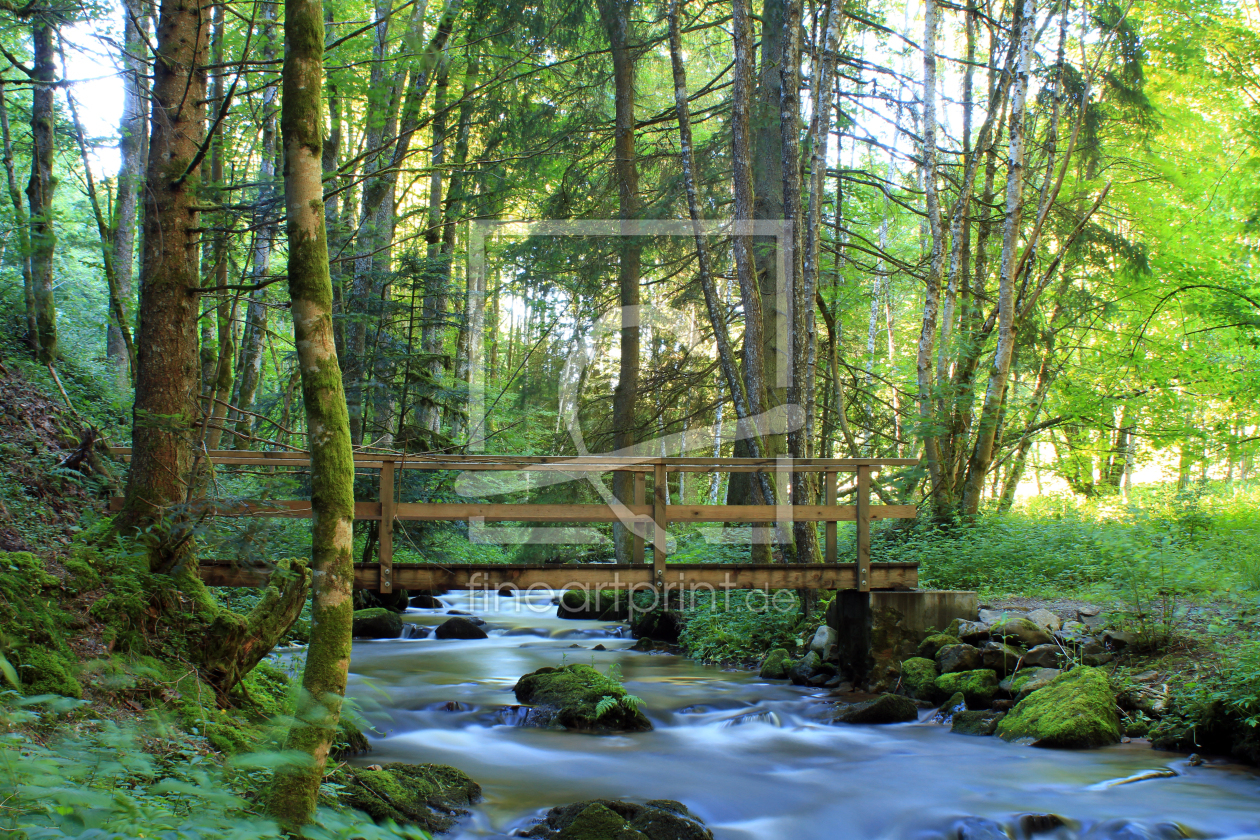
987,426
296,787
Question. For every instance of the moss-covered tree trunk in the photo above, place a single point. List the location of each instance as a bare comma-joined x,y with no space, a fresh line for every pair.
295,789
40,189
164,415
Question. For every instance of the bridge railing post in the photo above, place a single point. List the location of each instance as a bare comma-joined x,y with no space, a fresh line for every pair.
385,533
864,527
660,518
639,530
831,554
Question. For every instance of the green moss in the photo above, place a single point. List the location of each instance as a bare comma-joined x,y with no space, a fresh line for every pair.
929,647
978,687
266,690
918,675
600,605
43,671
580,697
83,577
1076,710
598,822
777,665
426,795
376,623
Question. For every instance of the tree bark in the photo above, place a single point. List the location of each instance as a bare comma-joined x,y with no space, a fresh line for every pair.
165,414
987,426
296,787
132,150
615,16
22,225
42,186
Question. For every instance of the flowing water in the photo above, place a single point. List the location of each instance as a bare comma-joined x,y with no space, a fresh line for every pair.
750,757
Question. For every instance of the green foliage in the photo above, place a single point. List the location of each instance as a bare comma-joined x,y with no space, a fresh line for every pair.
110,782
741,625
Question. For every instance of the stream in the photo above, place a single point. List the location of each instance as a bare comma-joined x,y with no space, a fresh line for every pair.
749,757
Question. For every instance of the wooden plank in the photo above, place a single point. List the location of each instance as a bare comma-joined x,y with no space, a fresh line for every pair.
831,553
797,513
640,531
660,519
703,577
385,536
283,508
437,512
864,529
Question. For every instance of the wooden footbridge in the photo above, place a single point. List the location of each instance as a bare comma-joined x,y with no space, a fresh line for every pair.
648,522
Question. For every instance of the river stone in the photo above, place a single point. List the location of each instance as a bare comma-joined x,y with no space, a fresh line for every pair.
978,828
611,819
1126,830
598,605
824,643
968,631
1044,656
954,658
976,723
430,796
977,686
426,602
570,697
1000,658
806,668
1032,824
1077,709
992,617
955,704
1016,681
376,623
1021,631
1045,619
887,708
776,665
459,628
1118,639
929,647
918,675
1029,687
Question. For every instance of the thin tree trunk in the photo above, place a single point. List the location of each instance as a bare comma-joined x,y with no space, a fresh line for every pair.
295,789
21,224
250,368
615,15
42,186
987,427
132,148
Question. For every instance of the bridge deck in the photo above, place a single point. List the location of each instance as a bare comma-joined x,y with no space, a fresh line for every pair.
646,521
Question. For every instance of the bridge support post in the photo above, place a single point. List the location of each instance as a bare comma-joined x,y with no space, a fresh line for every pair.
864,528
660,518
385,534
831,554
639,529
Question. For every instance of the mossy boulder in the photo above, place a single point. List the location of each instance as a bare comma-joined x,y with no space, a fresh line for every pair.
918,675
43,671
954,658
983,722
611,819
978,686
599,605
580,697
928,647
377,623
430,796
777,665
1076,710
1000,657
1020,631
1016,682
887,708
955,704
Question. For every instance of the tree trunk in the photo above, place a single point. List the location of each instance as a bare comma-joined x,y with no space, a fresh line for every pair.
40,188
250,367
987,427
615,16
132,150
22,225
165,408
296,786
